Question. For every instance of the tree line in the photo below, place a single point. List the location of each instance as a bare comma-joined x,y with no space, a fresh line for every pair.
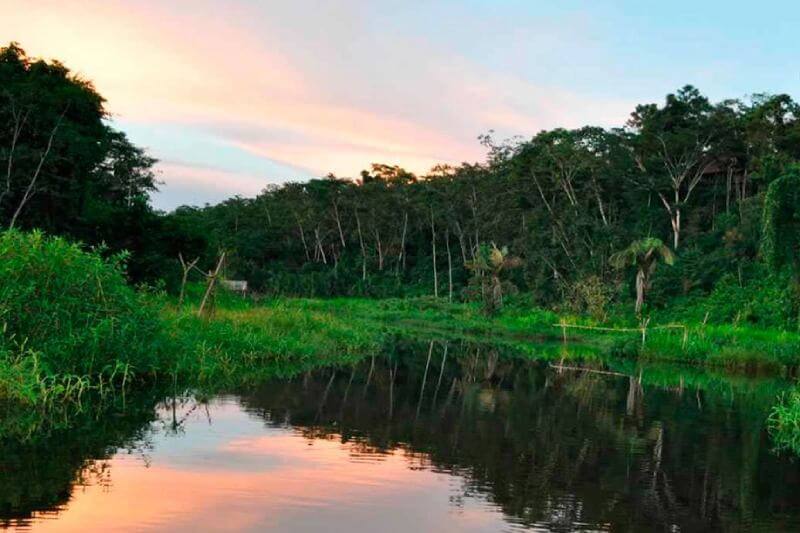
688,172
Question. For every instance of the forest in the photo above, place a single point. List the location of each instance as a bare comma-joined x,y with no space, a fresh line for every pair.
687,214
608,314
685,174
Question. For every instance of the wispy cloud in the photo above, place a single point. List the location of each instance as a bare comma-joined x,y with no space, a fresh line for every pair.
305,87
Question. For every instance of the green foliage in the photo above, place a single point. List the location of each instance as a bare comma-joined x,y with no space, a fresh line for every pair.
784,422
781,234
488,267
589,295
643,254
643,251
247,342
758,299
69,319
564,200
65,170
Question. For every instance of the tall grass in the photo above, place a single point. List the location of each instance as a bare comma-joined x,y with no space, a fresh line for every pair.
71,326
249,342
784,422
69,320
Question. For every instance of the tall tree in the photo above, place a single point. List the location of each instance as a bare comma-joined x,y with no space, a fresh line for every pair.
673,148
643,255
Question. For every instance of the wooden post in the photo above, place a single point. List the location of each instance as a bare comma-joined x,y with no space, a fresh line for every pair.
212,281
187,267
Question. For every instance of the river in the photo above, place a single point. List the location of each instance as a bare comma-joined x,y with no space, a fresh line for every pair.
434,437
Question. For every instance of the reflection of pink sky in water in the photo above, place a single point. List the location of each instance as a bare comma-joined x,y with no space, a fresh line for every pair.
236,474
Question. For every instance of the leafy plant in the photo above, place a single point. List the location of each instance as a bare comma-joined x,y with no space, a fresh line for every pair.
781,233
590,294
489,265
784,422
643,255
69,312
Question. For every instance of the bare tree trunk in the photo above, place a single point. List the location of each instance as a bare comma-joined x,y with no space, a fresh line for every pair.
401,260
744,185
449,266
641,285
599,202
339,224
475,214
379,248
319,245
674,213
29,191
187,267
461,243
269,215
558,229
433,253
728,189
363,249
689,169
303,237
19,123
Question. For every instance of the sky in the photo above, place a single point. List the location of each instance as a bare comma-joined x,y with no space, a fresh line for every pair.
234,95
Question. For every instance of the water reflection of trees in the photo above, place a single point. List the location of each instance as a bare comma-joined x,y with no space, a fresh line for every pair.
43,456
551,447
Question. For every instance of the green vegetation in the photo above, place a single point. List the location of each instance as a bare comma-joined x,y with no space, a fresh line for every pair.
488,265
71,326
643,254
718,182
247,343
784,422
70,321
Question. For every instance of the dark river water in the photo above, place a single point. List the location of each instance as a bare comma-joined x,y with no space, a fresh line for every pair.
427,439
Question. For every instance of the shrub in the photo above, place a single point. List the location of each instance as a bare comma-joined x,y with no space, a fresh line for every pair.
784,422
762,299
591,295
66,311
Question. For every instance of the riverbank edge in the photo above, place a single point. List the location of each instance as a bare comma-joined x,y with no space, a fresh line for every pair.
247,341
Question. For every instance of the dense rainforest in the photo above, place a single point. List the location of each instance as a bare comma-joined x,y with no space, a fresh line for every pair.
629,297
580,214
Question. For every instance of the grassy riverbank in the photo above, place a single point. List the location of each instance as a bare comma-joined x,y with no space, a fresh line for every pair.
72,326
540,332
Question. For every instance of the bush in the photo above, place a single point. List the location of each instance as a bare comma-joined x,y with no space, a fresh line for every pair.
590,294
762,299
65,311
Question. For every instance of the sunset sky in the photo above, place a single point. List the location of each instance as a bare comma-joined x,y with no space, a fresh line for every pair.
233,95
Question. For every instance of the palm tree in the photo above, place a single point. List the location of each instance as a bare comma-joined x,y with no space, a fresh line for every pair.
489,264
643,254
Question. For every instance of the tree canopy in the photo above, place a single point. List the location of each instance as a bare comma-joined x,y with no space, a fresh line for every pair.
688,171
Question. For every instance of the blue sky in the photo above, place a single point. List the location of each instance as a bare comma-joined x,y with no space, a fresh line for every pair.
234,95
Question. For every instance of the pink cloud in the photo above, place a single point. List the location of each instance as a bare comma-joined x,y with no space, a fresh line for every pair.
333,101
